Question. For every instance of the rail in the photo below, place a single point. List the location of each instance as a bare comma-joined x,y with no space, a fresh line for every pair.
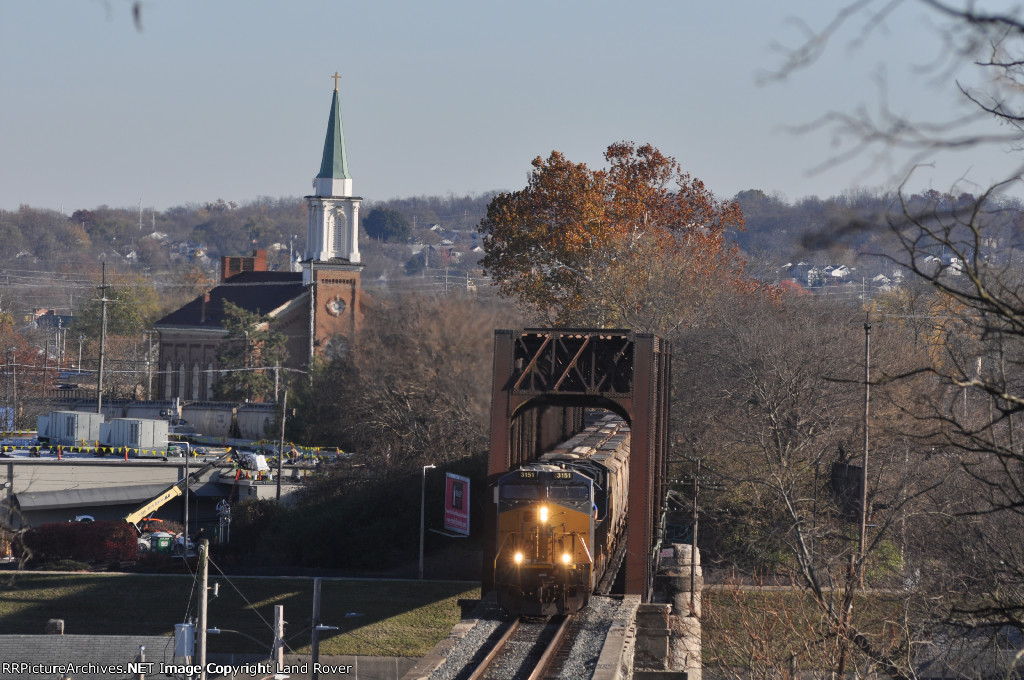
525,650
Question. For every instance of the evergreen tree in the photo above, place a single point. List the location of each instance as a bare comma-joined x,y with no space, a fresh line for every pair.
250,352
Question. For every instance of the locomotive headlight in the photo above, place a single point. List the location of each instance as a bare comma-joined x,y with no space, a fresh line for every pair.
566,558
543,513
518,557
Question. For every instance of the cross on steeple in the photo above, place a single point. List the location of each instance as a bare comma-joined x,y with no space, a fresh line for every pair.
336,79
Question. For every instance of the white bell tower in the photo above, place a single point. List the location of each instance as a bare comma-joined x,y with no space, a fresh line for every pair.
331,267
332,234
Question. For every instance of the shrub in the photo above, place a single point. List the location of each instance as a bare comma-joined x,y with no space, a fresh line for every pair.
81,541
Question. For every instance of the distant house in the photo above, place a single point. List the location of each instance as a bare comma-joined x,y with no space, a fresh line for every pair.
840,272
48,318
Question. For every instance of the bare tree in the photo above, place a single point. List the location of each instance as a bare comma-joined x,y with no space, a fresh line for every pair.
410,391
962,429
780,394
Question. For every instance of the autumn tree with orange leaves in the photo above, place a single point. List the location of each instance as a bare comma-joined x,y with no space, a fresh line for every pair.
639,244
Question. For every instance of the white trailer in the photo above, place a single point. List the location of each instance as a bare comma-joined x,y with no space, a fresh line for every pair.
135,433
68,428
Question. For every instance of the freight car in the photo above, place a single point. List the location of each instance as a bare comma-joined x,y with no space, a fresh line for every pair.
561,520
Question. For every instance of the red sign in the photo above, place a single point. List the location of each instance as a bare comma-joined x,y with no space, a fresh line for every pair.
456,504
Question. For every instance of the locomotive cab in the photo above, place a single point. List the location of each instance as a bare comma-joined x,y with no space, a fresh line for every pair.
545,557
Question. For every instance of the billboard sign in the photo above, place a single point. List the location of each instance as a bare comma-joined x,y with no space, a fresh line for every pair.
456,504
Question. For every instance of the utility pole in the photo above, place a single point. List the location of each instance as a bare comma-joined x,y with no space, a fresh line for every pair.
142,661
693,544
278,650
864,461
423,503
280,447
103,340
46,357
204,569
149,367
248,388
315,642
14,383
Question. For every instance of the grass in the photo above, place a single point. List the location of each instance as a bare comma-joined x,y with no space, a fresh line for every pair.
766,626
375,618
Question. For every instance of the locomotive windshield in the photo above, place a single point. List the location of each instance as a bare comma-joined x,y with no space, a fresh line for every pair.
569,493
514,492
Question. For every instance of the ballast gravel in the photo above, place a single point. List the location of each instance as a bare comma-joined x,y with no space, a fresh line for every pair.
492,622
593,622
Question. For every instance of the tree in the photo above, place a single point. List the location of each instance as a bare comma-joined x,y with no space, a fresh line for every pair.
388,225
253,348
772,405
410,392
133,305
551,243
964,247
188,282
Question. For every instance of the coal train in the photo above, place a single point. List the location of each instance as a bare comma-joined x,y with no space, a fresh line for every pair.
561,519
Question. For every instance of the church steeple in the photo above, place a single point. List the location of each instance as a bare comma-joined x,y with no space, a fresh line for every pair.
334,178
333,228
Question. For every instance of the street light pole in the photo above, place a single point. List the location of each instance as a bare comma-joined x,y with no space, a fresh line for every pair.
423,503
103,340
149,366
188,454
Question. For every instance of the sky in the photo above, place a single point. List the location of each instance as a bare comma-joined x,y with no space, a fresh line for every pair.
230,99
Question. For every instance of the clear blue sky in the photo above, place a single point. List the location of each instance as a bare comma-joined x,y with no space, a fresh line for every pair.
229,99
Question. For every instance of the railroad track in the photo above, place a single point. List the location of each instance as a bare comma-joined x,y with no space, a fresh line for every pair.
528,650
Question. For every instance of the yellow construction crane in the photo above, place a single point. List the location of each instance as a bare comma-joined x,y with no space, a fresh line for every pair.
170,493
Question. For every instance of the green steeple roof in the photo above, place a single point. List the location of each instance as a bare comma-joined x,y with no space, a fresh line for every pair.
335,162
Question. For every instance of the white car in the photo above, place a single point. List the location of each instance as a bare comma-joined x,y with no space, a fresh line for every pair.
178,547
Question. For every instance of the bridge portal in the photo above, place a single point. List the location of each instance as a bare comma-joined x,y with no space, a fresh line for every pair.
544,379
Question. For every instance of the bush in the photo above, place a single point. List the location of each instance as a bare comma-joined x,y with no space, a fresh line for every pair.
365,525
81,541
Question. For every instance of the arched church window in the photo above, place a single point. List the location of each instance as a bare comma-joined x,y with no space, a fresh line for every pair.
340,231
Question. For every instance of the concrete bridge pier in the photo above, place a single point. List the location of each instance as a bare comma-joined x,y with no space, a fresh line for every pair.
668,629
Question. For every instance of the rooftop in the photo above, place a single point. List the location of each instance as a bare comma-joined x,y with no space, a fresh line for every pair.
255,291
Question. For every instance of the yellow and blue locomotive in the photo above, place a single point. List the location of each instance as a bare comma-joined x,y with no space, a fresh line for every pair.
560,520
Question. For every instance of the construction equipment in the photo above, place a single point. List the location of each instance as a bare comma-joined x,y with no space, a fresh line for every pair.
171,492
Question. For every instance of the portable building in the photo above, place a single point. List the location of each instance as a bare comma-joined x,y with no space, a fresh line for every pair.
70,427
135,433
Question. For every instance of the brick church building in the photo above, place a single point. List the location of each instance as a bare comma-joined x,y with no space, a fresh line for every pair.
318,309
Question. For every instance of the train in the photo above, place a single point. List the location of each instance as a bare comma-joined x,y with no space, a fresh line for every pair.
561,520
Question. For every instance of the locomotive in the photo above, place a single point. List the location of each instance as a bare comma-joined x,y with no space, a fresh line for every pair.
561,519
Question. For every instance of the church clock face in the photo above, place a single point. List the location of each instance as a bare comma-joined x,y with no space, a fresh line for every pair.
335,306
